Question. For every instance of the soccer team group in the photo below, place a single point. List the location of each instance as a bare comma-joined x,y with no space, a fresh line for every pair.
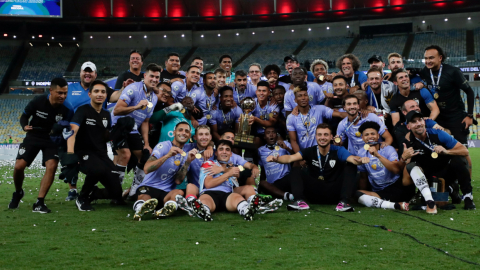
319,137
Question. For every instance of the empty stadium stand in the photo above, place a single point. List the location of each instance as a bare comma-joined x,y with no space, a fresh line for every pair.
9,122
46,63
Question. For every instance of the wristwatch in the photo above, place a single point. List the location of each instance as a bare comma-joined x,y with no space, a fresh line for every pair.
470,115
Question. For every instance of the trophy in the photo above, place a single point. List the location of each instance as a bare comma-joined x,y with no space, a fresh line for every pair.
243,137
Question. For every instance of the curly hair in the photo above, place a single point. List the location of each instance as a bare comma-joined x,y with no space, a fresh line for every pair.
355,61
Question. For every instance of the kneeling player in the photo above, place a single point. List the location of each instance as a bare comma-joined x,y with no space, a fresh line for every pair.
162,175
87,146
216,191
44,111
383,170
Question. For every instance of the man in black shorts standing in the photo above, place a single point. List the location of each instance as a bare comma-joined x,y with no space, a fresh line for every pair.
445,82
45,110
87,150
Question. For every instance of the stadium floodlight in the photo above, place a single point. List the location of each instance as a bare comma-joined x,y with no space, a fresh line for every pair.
348,26
5,35
423,21
108,36
164,36
129,36
328,27
238,34
73,38
219,35
469,18
40,36
201,36
183,35
309,29
446,19
293,30
273,31
145,36
253,33
91,37
33,37
14,36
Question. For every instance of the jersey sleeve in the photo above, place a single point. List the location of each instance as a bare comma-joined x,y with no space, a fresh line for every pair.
202,102
240,160
212,121
288,106
341,130
391,154
429,123
237,113
445,138
119,82
110,92
128,94
177,91
160,150
377,120
361,168
288,144
291,122
327,112
427,97
343,154
361,77
29,110
260,160
319,93
79,116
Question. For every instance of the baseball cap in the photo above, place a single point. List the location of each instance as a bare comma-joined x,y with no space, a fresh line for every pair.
290,57
413,114
375,57
90,65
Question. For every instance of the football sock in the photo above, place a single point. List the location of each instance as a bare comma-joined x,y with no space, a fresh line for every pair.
422,184
207,209
174,203
137,205
121,172
468,195
371,201
288,196
40,201
242,207
191,197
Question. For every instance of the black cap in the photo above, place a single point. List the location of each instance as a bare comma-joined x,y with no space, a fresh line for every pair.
375,57
413,114
290,57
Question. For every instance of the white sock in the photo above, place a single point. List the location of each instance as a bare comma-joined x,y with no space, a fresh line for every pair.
242,207
468,195
288,196
121,172
250,199
72,189
137,205
371,201
207,209
174,202
139,175
421,183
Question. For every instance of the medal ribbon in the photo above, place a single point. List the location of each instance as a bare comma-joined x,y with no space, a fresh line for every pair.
305,121
263,112
148,97
429,146
239,98
345,131
435,84
322,167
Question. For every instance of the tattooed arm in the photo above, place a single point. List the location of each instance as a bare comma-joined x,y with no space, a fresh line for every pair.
153,163
182,173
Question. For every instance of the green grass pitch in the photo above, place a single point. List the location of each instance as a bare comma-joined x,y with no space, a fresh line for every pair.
315,239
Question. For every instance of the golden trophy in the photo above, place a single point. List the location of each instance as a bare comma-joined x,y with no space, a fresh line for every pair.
243,138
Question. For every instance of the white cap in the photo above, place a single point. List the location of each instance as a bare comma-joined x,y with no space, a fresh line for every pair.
89,65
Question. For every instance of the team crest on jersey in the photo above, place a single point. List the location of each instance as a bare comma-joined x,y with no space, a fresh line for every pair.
194,95
313,120
175,88
416,100
105,122
160,146
310,97
21,151
85,157
130,92
332,163
58,117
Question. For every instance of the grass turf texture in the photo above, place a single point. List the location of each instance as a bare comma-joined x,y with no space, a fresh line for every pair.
284,239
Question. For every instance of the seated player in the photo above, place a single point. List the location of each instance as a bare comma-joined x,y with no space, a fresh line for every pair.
331,171
348,127
216,191
87,151
278,179
226,116
265,113
163,175
384,172
45,111
301,126
435,153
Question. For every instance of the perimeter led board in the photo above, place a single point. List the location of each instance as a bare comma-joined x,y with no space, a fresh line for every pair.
31,8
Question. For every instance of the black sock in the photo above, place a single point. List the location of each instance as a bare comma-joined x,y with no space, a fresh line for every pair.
397,206
40,201
431,204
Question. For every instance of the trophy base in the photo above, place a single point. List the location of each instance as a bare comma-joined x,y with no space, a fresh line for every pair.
244,141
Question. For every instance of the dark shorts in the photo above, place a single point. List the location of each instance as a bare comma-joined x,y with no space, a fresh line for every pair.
134,142
397,192
244,175
219,198
457,129
29,150
155,193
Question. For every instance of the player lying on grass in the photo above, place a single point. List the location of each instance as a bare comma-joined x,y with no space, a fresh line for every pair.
216,191
384,172
330,176
165,169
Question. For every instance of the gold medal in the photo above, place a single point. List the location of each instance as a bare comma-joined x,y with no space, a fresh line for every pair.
183,154
177,162
338,140
240,167
209,116
436,95
198,156
366,147
270,115
277,147
434,155
150,105
262,117
225,121
321,77
374,166
321,177
183,110
358,134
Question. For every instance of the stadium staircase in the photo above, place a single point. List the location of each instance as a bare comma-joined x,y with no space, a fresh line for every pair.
146,53
300,47
408,46
187,56
245,56
352,46
10,63
73,62
17,64
470,45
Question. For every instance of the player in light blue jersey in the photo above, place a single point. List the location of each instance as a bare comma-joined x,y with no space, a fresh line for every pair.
315,94
165,169
137,101
216,191
301,126
384,172
265,113
348,127
242,89
226,116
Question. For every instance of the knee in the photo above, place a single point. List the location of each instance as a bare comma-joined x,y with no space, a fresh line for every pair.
410,167
20,165
124,155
